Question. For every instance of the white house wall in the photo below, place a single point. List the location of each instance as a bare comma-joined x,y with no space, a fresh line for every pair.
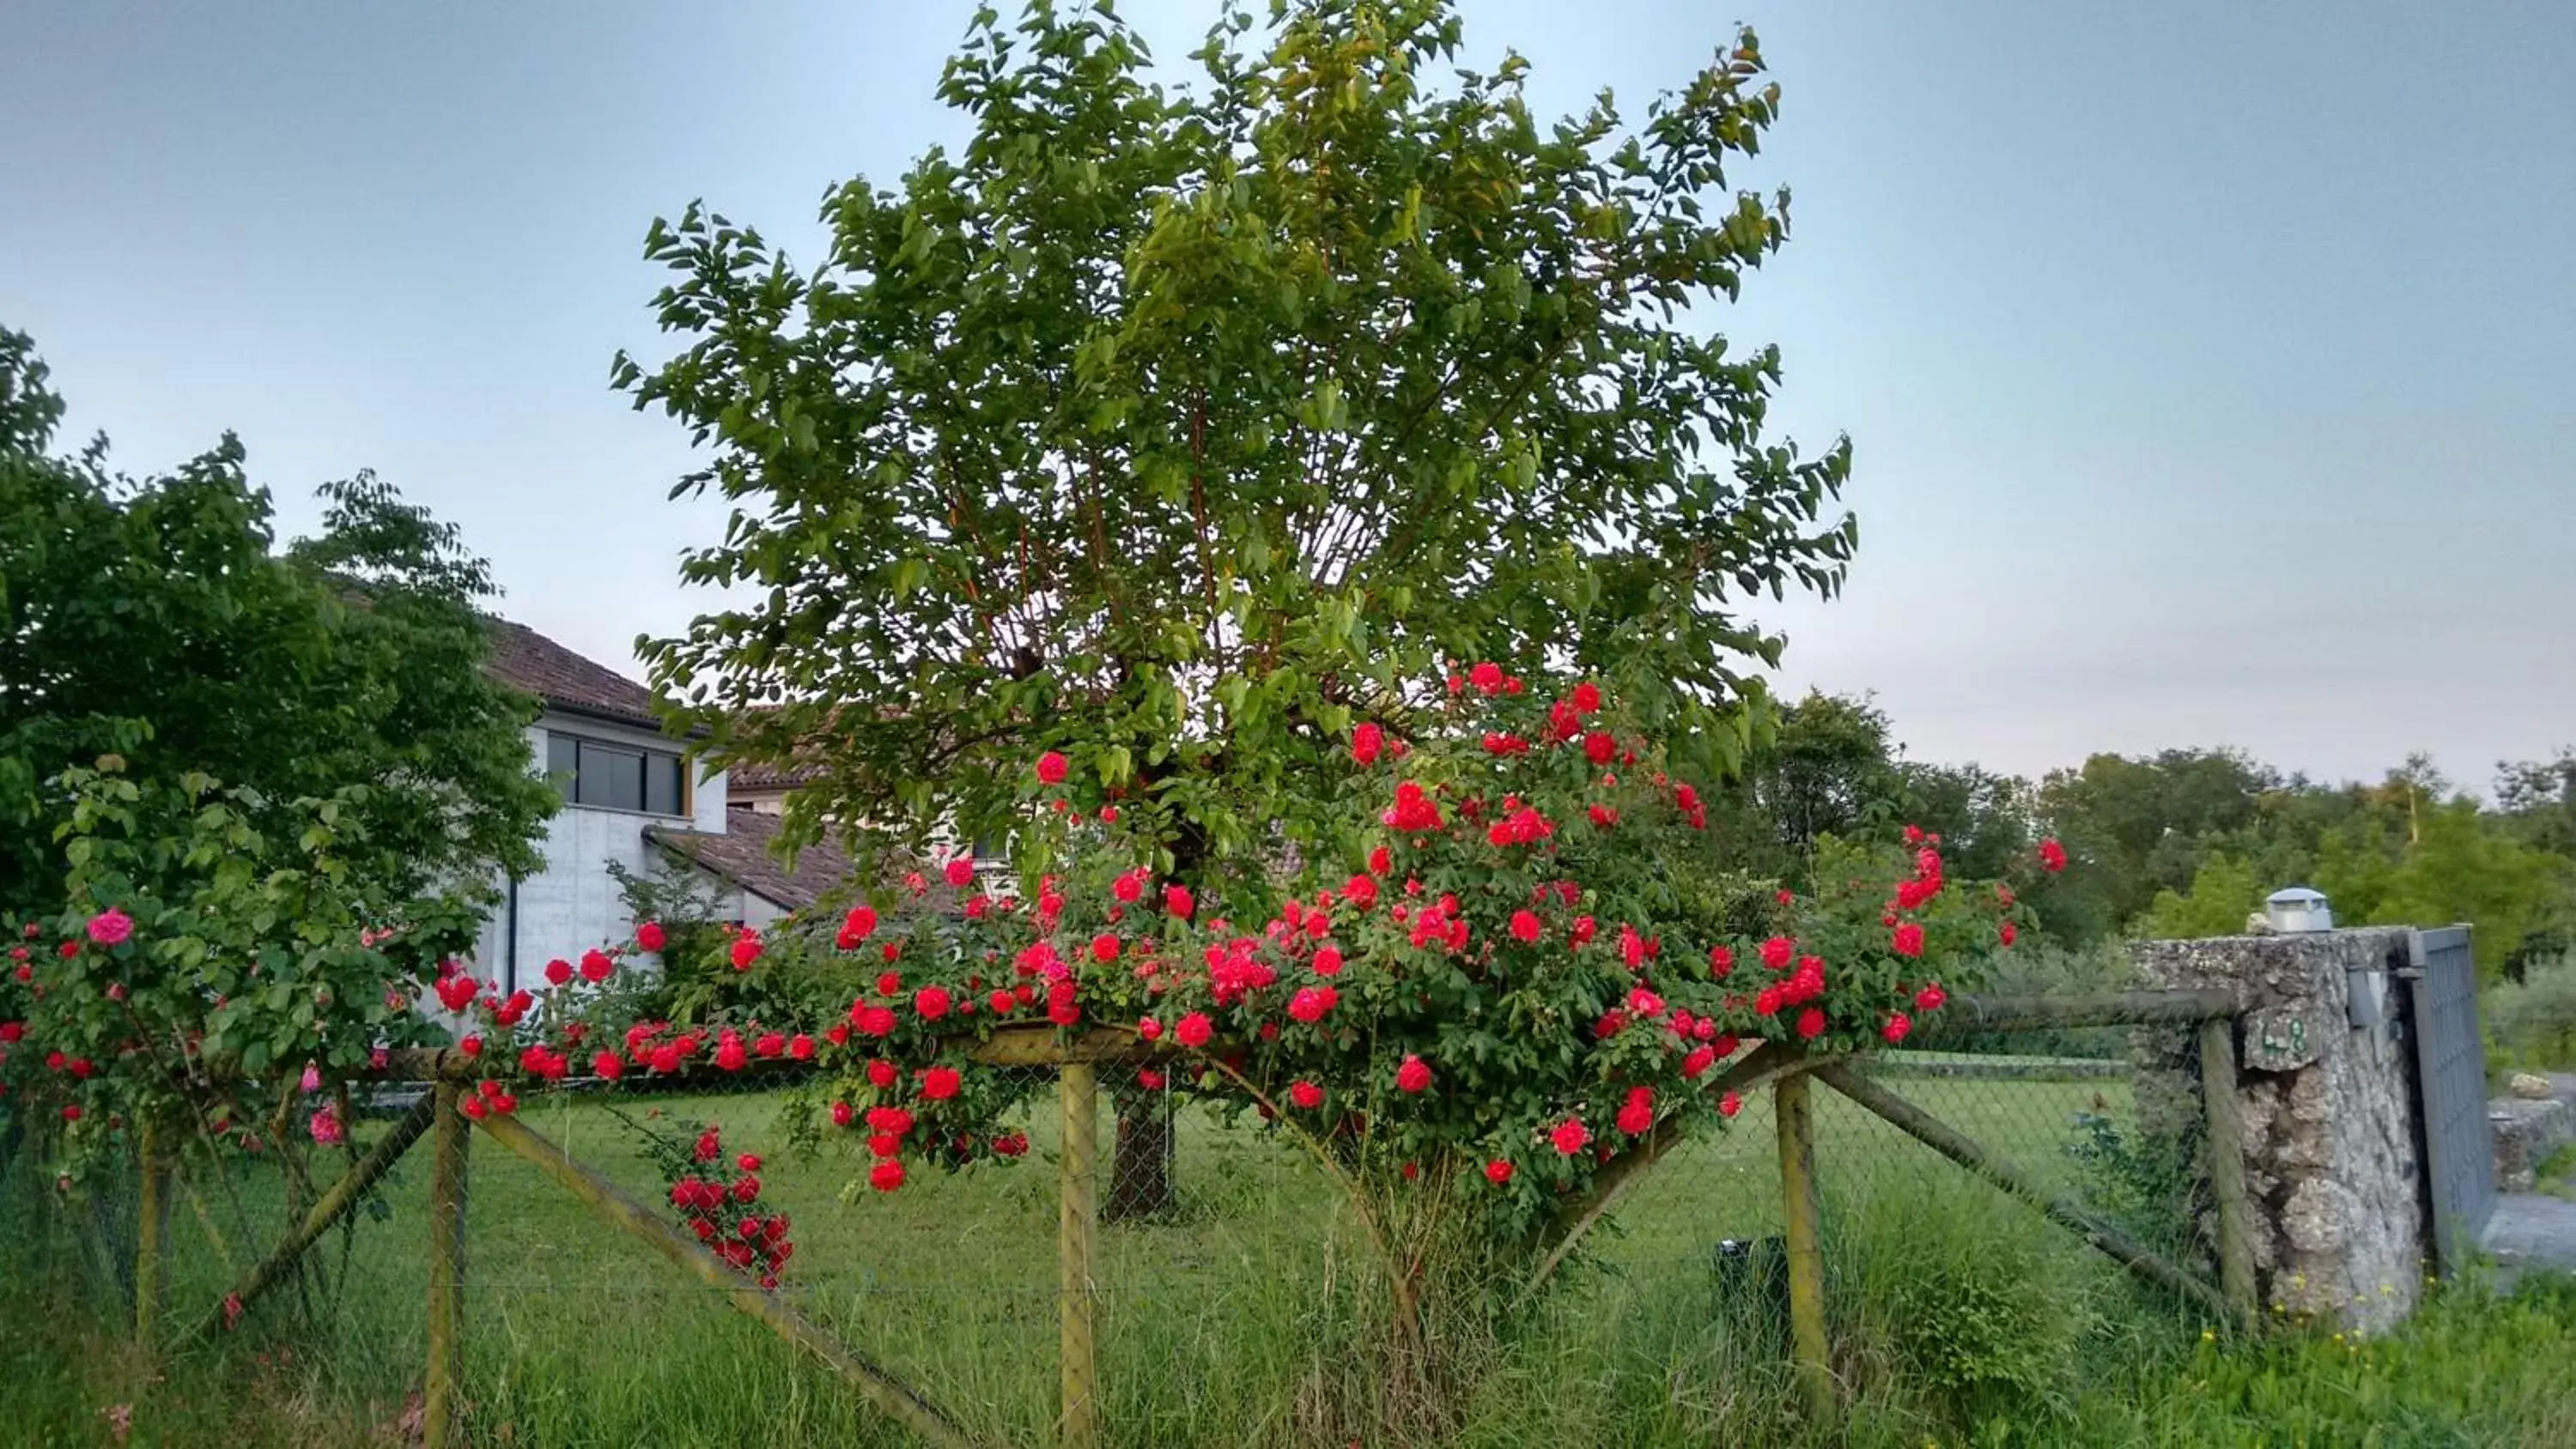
572,904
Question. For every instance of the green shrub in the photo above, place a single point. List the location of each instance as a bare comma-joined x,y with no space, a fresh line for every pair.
1966,1301
2100,969
2531,1023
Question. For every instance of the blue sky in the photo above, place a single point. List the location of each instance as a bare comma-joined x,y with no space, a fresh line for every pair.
2211,366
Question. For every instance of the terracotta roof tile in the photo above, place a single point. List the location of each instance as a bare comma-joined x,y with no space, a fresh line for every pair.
565,680
741,854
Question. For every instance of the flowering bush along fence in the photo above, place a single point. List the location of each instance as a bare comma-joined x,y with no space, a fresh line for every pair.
1482,1013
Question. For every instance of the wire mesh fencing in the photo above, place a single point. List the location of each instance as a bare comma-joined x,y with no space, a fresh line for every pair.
1121,1261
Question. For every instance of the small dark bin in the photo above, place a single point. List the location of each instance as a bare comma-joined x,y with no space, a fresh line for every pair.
1753,1282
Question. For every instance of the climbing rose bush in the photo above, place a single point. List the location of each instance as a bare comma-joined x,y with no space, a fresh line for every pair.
212,970
1521,973
1518,976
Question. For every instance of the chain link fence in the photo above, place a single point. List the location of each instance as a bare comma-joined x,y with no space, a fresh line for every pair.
1231,1293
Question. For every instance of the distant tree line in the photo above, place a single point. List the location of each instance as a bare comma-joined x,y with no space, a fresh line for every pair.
2184,842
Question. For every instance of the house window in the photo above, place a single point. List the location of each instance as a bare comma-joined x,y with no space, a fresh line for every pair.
616,776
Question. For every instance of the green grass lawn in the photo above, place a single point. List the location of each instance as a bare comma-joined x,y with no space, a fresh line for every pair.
1229,1324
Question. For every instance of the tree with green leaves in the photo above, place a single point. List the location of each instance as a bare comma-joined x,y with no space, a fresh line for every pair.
1178,429
155,619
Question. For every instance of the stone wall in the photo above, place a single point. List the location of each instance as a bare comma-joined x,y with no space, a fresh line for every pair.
2331,1140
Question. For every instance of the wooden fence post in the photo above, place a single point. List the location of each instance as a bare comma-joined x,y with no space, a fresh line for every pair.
1077,1228
449,1134
151,1225
2227,1163
1802,1214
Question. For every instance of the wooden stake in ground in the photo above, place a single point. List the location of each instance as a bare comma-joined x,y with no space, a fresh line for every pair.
1803,1214
1078,1426
446,1364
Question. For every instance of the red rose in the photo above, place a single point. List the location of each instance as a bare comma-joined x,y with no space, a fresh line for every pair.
596,965
886,1176
458,992
1587,697
938,1084
1178,900
1930,997
2052,856
1366,742
1638,1112
1526,926
559,972
1104,947
1729,1104
882,1074
1380,861
649,936
1305,1095
1898,1024
2009,932
746,949
1498,1171
932,1002
1488,678
842,1113
858,925
1776,952
1412,1075
1194,1029
1908,940
1701,1058
1051,768
959,872
1811,1024
1570,1136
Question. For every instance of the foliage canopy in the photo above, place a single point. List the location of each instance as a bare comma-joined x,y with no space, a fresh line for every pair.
1177,429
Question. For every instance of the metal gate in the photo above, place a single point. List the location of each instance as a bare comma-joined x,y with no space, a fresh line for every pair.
2451,1076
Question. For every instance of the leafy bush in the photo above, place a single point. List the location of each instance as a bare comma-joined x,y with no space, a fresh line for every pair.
2531,1023
2223,893
2141,1182
202,957
2100,969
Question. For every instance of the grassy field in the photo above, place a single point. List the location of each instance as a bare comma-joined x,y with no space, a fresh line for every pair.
1959,1317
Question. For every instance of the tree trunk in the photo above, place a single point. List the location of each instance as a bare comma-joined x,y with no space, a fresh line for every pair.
1140,1178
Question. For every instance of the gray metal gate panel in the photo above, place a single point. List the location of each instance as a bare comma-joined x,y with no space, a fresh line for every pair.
2450,1057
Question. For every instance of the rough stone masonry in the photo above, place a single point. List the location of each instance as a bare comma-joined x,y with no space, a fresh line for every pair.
2331,1154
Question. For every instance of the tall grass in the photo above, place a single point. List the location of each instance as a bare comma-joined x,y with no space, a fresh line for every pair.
1957,1317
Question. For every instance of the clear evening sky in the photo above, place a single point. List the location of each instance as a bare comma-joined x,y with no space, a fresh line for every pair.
2211,366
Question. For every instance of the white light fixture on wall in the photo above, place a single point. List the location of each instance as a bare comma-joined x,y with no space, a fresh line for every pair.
2298,910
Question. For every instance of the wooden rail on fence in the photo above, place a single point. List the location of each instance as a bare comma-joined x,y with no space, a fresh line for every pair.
1965,1014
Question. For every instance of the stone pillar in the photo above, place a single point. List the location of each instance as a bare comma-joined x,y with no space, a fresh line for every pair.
2332,1155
